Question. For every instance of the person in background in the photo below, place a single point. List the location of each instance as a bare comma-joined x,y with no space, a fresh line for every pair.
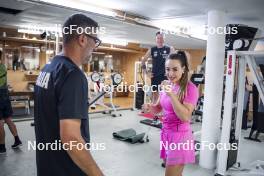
22,63
6,110
15,61
158,54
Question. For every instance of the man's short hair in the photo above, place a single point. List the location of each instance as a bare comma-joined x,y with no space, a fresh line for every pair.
159,33
77,20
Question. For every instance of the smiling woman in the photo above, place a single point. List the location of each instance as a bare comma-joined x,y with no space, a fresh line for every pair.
177,104
177,69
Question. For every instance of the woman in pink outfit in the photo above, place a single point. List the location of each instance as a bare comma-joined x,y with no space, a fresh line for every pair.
177,100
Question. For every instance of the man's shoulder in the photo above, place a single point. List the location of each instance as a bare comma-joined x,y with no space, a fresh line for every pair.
60,64
77,74
167,47
153,48
63,60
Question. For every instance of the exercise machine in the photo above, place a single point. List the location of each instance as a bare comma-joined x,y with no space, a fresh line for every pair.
233,107
258,109
239,53
141,96
198,79
155,122
98,80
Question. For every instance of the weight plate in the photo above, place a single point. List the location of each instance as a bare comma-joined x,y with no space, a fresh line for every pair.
95,77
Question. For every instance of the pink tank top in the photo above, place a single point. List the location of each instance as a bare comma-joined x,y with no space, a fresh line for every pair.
170,120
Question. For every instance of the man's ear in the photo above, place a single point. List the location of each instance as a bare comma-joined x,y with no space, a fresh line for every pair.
82,40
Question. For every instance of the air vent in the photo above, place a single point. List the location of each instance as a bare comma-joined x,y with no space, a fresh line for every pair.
10,11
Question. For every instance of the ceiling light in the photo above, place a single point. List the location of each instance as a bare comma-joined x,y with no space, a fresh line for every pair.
30,47
108,56
37,50
143,21
181,28
199,36
77,4
28,31
115,41
49,52
97,52
52,30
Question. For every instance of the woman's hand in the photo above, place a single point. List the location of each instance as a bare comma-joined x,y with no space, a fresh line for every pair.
155,109
152,108
145,108
167,88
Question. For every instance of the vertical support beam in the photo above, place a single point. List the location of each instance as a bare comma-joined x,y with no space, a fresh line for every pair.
214,74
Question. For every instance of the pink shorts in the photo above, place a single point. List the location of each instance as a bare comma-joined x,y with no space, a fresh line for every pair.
177,147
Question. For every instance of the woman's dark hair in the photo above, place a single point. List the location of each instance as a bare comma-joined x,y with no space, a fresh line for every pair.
181,56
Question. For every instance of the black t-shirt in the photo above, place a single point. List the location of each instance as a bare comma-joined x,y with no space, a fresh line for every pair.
159,56
61,92
4,94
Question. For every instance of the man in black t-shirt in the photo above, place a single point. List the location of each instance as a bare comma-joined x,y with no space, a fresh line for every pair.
158,55
61,110
15,61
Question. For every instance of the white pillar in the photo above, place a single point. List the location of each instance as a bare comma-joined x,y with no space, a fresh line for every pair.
215,55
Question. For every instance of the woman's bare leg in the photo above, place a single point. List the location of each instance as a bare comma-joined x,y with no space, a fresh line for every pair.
174,170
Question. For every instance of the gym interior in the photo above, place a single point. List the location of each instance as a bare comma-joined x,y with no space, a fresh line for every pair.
224,44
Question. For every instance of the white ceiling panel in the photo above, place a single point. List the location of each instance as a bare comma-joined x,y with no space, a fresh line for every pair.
249,12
